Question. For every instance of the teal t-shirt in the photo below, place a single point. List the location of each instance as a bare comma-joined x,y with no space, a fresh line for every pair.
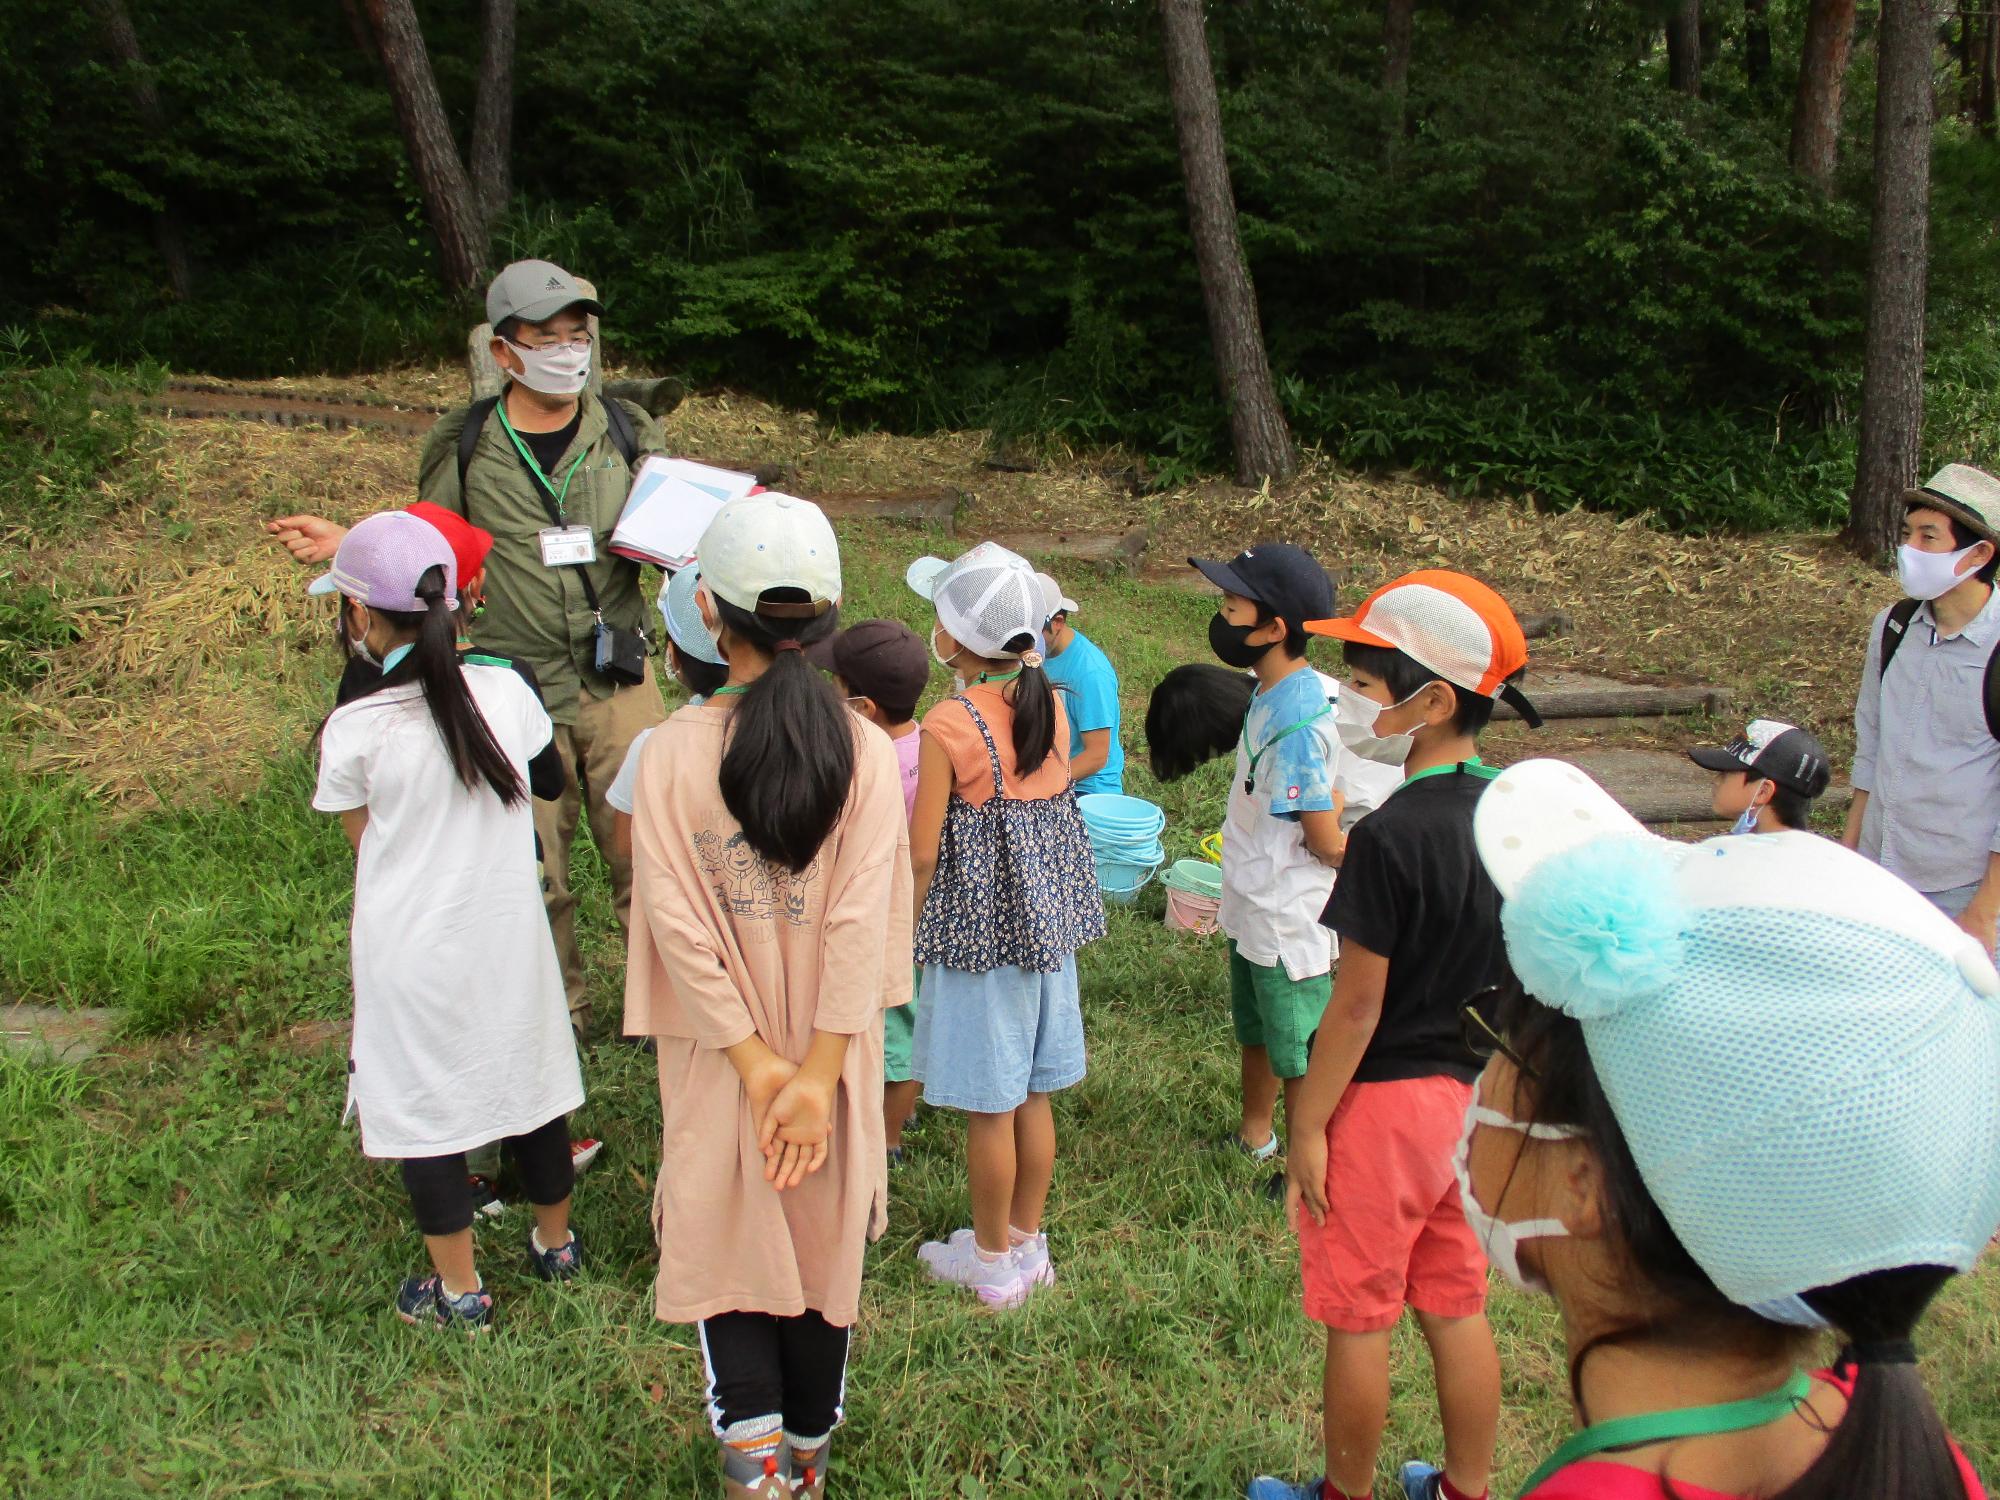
1084,676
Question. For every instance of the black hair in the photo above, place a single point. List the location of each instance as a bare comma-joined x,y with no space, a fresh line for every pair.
1963,536
1034,712
1296,638
1405,675
1194,716
1793,809
1891,1440
433,662
788,765
700,678
506,328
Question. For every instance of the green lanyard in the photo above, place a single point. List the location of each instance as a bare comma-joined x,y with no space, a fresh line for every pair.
731,691
998,676
522,448
1658,1426
1472,766
1250,779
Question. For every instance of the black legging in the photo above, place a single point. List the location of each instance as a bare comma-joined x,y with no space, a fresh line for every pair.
761,1365
441,1189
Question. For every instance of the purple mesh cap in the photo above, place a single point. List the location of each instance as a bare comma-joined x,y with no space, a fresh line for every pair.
383,557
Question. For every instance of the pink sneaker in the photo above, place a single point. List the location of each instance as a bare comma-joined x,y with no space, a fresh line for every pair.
998,1283
1032,1256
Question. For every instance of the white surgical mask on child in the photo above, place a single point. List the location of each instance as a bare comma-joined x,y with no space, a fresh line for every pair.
1930,575
1500,1239
557,371
957,677
1354,719
357,645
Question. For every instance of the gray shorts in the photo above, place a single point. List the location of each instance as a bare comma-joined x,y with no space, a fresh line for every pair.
1955,901
985,1042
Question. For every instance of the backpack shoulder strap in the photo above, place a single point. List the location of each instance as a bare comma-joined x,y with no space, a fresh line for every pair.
468,437
1895,627
624,436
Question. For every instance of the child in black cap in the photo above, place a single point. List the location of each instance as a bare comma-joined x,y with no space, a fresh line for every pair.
1767,778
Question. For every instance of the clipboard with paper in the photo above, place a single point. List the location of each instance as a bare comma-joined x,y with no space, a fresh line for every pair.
671,502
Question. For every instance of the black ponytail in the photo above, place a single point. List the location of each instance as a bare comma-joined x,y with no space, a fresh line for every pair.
433,662
1891,1441
1034,713
789,761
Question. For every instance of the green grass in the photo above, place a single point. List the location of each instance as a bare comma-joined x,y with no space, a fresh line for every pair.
198,1259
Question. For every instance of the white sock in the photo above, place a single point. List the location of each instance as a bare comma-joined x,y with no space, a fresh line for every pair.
535,1235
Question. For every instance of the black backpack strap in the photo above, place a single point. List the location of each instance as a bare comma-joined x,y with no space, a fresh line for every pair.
468,439
1993,693
1895,627
624,436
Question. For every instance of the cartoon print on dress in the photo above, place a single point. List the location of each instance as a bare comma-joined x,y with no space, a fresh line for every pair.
749,885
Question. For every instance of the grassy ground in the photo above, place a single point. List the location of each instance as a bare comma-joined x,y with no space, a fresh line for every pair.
199,1260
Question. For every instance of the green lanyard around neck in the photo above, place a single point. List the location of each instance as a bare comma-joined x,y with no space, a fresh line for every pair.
522,448
1250,777
1659,1426
1471,765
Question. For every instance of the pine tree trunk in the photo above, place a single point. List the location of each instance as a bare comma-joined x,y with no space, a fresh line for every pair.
1256,422
1822,82
123,44
447,193
493,114
1756,42
1892,393
1684,50
1398,22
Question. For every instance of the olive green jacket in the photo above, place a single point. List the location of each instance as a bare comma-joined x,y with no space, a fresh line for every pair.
537,613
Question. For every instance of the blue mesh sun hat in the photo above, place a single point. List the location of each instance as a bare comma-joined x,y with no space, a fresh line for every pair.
1803,1052
684,627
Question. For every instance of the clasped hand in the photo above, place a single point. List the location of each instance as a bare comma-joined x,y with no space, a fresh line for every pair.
793,1113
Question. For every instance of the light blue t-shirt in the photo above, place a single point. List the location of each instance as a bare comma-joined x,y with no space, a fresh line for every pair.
1292,767
1092,703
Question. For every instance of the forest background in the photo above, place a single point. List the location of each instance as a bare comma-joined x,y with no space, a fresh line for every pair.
1577,249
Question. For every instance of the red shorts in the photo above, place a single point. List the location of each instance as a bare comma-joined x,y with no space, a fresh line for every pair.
1394,1235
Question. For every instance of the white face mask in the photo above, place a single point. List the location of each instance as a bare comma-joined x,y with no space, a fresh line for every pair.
957,677
556,371
1500,1239
1930,575
357,645
1354,720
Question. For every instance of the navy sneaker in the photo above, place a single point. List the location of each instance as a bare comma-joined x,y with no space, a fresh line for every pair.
1420,1481
565,1263
1264,1487
424,1302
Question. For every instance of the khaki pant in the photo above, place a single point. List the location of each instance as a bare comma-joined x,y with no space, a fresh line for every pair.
592,749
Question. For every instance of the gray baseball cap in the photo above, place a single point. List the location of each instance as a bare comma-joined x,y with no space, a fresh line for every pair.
533,290
1968,495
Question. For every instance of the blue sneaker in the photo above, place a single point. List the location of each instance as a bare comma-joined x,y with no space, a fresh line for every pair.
564,1263
424,1302
1420,1481
1264,1487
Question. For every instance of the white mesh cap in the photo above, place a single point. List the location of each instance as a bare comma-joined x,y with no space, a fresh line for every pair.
1801,1050
1054,600
986,598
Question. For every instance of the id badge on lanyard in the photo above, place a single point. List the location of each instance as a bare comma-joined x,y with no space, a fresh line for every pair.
567,546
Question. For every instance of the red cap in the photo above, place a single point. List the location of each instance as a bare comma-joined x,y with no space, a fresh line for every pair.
469,543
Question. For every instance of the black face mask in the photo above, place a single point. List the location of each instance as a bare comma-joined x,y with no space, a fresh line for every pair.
1231,648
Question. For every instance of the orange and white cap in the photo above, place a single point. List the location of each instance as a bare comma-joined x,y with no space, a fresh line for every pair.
1448,623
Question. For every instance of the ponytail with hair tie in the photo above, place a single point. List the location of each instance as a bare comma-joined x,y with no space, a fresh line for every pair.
433,661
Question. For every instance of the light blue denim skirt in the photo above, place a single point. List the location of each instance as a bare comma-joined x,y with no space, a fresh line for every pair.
986,1041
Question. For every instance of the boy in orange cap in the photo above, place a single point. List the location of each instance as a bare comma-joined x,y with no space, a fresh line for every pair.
1385,1094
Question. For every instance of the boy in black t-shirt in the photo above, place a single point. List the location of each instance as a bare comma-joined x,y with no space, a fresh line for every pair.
1371,1188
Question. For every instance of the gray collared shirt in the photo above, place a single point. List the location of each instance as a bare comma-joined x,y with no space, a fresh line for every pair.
1924,755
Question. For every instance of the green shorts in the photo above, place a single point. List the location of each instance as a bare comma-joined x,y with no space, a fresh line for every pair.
1276,1012
899,1029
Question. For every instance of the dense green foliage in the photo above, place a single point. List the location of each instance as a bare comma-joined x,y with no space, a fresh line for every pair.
1555,275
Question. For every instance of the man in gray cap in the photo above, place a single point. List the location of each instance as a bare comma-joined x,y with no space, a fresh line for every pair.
1927,720
545,467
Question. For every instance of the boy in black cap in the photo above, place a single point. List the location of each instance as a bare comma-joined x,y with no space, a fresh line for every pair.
1282,836
1767,778
881,668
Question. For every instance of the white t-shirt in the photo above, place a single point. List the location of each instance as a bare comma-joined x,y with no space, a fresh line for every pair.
625,785
461,1024
1273,889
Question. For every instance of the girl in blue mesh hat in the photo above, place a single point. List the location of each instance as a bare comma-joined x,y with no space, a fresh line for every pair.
1744,1092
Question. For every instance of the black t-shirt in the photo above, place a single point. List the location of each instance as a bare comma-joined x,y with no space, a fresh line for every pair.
549,447
1412,889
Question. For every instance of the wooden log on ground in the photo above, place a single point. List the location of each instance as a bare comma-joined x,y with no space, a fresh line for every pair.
1580,695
